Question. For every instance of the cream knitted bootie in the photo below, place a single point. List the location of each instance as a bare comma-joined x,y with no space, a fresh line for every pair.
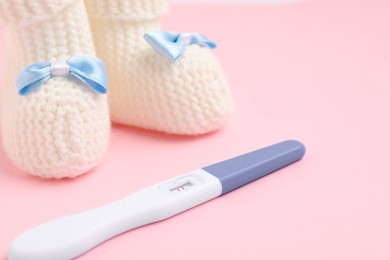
189,96
61,128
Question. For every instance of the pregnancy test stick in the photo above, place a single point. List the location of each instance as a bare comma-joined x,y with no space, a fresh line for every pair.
68,237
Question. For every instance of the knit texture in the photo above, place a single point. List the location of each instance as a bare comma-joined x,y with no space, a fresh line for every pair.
189,96
61,129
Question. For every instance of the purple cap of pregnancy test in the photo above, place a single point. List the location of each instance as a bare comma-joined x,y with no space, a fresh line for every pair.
241,170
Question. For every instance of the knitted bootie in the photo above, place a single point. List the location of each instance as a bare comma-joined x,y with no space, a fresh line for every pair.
61,128
189,96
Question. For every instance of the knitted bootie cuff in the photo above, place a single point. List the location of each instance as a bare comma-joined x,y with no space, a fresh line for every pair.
133,10
19,12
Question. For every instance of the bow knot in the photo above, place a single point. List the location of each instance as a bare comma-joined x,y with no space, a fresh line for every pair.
89,69
59,68
172,45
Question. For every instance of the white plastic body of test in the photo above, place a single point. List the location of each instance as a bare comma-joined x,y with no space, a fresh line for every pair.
71,236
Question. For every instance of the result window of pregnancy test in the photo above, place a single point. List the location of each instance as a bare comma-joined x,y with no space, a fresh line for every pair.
182,184
182,187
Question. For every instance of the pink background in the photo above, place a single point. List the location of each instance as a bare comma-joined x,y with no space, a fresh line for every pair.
316,71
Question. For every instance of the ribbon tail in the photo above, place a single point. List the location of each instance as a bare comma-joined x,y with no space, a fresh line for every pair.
201,40
91,71
32,77
24,90
97,85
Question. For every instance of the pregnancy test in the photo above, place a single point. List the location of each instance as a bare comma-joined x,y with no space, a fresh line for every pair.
71,236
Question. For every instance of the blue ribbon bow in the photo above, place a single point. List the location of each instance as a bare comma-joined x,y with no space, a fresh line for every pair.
89,69
172,45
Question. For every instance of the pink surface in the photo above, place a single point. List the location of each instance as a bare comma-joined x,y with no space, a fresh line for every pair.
318,72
